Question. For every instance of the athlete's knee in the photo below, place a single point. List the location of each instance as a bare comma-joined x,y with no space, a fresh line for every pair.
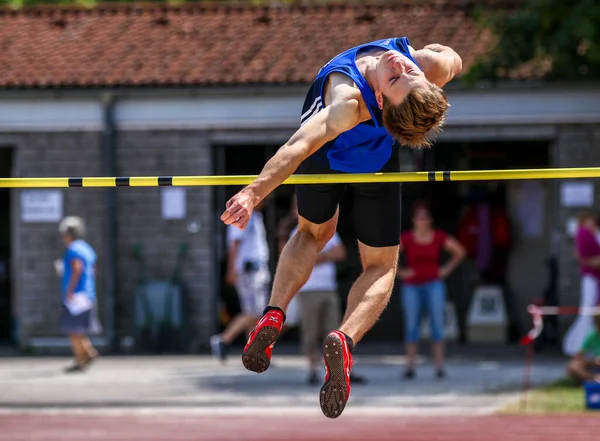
383,273
384,260
321,233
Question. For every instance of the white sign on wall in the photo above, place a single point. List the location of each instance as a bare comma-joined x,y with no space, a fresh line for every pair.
41,205
173,205
577,194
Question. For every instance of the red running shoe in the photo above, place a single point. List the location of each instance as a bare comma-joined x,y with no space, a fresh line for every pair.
338,364
257,353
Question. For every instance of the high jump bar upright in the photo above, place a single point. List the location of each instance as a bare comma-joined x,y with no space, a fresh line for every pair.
336,178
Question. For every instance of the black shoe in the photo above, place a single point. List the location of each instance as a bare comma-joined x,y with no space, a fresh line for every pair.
357,379
218,347
75,368
313,379
440,374
409,374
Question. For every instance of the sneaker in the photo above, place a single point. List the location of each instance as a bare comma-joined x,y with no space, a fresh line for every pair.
74,368
440,374
259,348
409,374
217,347
313,379
338,364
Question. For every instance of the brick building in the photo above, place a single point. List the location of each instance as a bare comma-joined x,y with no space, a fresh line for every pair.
200,90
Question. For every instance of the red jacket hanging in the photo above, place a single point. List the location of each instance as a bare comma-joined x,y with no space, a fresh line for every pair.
468,230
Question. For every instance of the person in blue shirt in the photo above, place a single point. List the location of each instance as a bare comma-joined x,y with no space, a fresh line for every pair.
362,105
78,280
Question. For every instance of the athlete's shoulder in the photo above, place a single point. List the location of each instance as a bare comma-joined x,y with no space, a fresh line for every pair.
339,88
439,63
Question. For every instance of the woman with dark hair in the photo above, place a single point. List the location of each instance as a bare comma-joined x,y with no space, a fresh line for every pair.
423,288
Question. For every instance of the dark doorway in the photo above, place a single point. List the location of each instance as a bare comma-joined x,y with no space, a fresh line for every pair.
450,200
6,322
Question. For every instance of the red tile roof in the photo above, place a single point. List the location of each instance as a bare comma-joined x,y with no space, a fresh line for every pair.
197,44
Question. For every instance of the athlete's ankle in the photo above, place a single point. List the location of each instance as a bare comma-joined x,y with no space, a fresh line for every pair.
274,308
349,341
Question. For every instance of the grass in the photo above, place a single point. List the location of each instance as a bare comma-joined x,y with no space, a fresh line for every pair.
562,396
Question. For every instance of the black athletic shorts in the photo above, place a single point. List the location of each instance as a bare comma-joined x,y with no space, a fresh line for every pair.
376,207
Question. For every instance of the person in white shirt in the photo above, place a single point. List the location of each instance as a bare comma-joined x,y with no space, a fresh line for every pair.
320,309
248,271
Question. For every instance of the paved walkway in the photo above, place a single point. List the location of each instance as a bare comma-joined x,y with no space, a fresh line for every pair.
199,383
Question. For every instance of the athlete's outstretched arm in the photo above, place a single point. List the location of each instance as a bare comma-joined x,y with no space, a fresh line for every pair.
439,63
341,115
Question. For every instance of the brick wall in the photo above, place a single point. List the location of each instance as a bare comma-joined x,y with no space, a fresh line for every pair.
37,245
140,221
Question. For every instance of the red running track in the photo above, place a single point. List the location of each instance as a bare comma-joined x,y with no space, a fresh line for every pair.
174,427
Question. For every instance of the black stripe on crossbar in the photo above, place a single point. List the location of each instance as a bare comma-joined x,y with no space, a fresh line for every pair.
75,182
446,176
165,181
122,182
431,176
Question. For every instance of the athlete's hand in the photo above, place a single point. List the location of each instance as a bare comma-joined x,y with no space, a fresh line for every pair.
239,209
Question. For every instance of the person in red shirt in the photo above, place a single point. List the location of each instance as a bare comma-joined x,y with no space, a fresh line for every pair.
423,288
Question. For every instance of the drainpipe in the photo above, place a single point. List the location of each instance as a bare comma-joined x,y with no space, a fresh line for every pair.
109,168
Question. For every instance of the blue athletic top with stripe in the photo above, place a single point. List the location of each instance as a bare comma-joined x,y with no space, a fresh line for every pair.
367,147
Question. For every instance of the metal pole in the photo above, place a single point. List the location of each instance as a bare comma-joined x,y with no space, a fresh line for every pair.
109,167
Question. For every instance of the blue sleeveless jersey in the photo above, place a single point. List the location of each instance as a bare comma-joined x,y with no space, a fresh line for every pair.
367,147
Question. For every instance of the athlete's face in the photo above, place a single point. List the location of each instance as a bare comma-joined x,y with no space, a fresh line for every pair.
397,76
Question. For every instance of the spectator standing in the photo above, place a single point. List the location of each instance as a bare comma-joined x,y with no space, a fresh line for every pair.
320,309
79,315
248,271
423,287
587,252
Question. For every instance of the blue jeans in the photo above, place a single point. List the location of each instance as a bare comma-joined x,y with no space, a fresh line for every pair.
422,298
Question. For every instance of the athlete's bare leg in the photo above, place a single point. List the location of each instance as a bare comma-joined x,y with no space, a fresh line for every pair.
371,292
367,299
296,263
298,259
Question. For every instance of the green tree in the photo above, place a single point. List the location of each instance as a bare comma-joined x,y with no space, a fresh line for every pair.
562,35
